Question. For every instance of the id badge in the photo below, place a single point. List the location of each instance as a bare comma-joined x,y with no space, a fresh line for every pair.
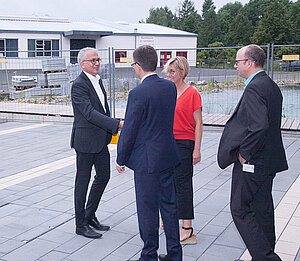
248,168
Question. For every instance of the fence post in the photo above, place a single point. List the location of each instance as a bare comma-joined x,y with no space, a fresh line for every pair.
114,82
110,81
7,78
225,67
268,59
199,73
272,57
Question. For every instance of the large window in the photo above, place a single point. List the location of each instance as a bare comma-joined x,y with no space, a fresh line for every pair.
43,47
77,44
184,54
9,47
119,55
164,57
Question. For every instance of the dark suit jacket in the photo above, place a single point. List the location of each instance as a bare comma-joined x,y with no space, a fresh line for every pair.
92,126
146,142
254,128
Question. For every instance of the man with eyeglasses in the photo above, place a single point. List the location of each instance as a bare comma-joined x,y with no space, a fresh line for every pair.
252,141
147,146
92,132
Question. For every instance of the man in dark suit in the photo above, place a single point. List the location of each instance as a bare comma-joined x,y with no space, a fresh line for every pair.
252,141
91,133
147,146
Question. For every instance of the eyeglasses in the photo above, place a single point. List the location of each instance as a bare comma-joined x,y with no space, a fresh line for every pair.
243,60
171,71
93,61
133,64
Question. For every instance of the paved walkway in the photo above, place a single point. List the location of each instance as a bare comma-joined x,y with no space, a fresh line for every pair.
37,215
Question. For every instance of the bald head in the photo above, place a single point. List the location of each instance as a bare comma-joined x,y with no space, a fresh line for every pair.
255,53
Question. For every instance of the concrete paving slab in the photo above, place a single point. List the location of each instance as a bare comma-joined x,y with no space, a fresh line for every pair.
219,252
100,248
48,199
73,245
54,256
222,219
31,251
127,251
230,237
212,230
204,241
10,245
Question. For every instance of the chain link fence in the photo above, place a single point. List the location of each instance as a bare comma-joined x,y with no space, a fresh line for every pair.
38,88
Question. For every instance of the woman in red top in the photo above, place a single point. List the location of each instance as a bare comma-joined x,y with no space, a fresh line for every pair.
188,135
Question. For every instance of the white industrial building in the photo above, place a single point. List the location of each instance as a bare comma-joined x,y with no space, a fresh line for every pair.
43,37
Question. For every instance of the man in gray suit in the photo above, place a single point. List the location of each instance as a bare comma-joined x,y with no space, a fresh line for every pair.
252,141
92,131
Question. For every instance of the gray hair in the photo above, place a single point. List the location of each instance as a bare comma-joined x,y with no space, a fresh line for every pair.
81,55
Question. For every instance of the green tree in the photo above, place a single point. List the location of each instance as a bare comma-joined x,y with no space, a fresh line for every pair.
203,54
280,51
210,30
275,26
161,16
221,54
256,9
226,15
294,13
240,30
188,19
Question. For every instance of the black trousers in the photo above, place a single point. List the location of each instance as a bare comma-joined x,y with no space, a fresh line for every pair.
155,192
85,162
252,210
184,180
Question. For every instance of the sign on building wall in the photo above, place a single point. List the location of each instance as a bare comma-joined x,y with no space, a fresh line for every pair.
294,57
146,40
125,60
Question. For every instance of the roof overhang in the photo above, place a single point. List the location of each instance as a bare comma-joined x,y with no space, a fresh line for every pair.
156,34
84,32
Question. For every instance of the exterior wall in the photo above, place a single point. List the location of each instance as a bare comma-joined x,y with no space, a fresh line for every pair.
177,44
23,62
171,43
23,37
66,40
119,42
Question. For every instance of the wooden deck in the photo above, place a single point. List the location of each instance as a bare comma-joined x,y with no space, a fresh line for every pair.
221,119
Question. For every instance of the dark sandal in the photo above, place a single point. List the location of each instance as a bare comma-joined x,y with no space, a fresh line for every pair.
191,240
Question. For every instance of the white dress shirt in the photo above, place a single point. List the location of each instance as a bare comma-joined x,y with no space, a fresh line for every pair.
147,75
95,82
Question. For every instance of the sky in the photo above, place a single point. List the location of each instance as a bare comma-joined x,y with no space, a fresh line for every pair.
131,11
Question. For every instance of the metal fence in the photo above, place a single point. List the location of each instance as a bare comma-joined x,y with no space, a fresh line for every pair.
30,89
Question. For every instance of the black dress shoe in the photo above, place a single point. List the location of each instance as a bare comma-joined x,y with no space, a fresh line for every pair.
163,258
96,224
86,231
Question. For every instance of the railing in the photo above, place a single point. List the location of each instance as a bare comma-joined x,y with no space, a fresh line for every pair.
216,80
